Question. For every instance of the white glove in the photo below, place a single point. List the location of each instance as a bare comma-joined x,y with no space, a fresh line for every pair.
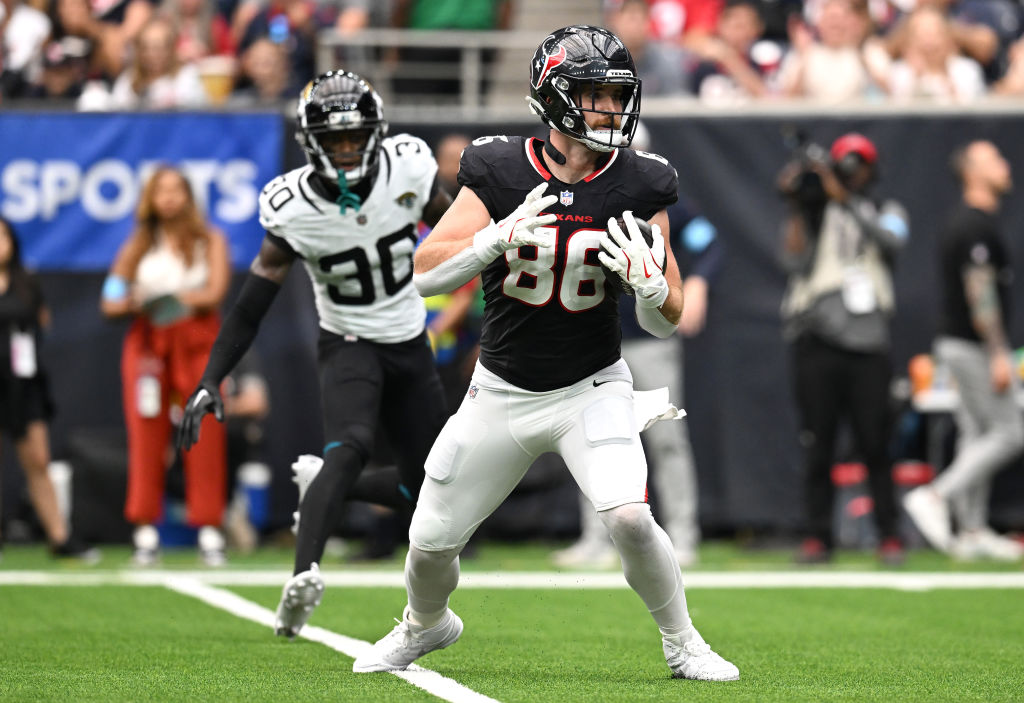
518,229
627,254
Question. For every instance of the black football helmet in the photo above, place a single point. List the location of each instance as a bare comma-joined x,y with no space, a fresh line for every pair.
340,103
567,67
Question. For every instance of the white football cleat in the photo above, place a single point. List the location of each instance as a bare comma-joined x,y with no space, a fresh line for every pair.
1000,547
406,643
930,514
305,469
300,595
986,544
693,659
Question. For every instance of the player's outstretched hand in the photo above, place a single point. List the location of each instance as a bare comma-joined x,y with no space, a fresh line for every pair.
205,399
523,227
638,263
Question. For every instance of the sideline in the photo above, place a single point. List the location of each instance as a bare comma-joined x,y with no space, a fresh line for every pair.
430,681
904,581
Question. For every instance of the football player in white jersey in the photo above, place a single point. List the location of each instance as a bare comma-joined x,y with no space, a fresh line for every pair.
537,220
350,215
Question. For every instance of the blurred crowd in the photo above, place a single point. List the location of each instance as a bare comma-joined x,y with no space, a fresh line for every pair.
829,51
167,54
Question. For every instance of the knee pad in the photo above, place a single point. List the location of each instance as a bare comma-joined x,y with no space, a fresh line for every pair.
434,528
358,438
430,532
629,524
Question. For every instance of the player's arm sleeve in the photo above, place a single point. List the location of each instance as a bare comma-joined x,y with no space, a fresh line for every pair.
651,320
243,321
459,269
450,274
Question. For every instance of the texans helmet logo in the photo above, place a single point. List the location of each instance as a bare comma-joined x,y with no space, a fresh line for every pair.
550,62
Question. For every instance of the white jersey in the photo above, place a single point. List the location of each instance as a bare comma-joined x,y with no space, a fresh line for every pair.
360,263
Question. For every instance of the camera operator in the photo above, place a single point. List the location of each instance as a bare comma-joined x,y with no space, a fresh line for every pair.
838,250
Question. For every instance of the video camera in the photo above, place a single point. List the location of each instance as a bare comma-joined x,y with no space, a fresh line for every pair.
806,187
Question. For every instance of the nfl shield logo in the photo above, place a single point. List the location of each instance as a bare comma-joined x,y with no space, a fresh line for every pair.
473,390
565,197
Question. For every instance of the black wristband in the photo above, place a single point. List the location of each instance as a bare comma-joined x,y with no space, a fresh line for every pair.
240,327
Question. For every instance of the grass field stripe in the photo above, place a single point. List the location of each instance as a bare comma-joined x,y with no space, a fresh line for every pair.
430,681
810,578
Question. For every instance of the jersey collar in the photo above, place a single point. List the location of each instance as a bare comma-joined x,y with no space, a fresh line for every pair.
602,169
539,167
536,161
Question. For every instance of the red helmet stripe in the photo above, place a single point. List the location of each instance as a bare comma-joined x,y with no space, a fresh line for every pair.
550,62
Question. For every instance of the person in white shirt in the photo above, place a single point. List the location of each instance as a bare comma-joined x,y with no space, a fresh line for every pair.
155,80
23,32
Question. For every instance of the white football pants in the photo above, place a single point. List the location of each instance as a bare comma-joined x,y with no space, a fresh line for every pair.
486,447
655,363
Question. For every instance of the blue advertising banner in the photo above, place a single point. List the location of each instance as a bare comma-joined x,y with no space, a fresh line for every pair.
70,183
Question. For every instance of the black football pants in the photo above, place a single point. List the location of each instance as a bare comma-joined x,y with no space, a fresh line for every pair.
364,384
834,384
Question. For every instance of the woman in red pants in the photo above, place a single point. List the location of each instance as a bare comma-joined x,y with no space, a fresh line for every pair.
170,275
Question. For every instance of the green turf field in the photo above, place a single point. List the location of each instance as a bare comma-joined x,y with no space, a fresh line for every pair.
111,642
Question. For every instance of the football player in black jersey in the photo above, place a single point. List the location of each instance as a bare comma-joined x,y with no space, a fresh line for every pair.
537,219
350,215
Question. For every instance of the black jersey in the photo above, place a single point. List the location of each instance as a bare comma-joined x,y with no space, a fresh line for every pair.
972,238
550,319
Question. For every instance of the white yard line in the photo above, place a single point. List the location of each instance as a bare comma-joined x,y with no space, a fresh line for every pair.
909,580
430,681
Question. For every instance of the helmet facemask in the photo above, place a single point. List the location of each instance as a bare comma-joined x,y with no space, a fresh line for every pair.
331,159
581,96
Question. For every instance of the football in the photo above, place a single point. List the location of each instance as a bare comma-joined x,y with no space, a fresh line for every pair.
614,279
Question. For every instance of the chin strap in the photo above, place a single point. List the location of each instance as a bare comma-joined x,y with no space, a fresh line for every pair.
347,199
554,153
